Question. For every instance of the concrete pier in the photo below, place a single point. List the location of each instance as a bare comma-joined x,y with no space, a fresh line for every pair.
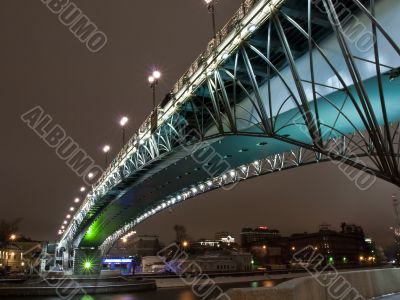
354,285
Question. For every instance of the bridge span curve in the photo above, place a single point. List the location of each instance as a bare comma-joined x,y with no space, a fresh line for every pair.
285,83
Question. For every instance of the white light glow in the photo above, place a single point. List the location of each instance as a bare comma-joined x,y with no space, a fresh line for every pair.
157,74
252,28
123,121
83,189
106,148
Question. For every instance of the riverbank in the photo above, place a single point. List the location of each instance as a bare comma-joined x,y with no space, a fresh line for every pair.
68,287
173,283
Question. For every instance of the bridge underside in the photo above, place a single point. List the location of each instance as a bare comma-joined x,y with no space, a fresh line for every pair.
189,166
313,82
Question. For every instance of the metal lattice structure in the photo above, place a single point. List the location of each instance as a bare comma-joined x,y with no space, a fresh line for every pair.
289,82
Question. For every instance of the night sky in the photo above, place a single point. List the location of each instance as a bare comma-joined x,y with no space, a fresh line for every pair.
42,63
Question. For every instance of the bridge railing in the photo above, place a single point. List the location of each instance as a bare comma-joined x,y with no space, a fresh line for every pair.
213,44
145,128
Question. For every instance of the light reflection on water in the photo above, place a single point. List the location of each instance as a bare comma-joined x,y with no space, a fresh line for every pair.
161,294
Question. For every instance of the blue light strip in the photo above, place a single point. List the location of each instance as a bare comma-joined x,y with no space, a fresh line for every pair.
117,260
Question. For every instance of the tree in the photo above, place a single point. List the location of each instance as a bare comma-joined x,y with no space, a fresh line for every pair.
180,232
7,229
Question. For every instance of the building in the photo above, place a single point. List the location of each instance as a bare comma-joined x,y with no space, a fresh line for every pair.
348,246
11,259
124,266
146,245
221,262
141,245
266,245
222,240
258,236
152,264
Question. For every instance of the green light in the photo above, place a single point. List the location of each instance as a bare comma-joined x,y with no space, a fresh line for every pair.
331,260
87,265
344,259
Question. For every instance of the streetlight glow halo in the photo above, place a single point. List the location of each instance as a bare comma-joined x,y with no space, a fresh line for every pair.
156,74
124,121
106,148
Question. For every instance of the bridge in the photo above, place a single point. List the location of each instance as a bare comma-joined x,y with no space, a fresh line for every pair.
284,84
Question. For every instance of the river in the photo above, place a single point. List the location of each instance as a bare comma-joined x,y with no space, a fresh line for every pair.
161,294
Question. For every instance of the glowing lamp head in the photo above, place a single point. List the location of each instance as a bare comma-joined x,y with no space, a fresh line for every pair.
68,217
106,149
157,75
77,200
151,79
83,189
123,121
13,237
90,175
71,208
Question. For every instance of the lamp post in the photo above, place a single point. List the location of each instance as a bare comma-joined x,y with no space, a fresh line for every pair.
106,150
211,10
123,123
153,81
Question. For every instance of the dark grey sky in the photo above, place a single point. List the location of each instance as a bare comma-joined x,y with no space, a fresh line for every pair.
42,63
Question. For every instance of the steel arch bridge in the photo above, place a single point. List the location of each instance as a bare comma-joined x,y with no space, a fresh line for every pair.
284,84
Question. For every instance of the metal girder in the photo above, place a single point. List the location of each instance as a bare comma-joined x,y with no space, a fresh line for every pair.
275,163
281,82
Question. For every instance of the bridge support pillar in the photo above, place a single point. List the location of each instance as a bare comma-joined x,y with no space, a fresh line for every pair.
87,262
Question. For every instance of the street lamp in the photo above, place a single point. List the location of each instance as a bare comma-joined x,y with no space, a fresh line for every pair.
106,149
211,10
153,81
13,237
123,123
82,189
